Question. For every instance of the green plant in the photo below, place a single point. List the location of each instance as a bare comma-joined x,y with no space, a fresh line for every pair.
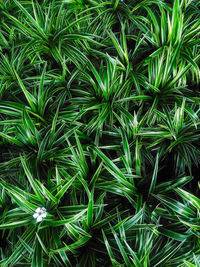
99,133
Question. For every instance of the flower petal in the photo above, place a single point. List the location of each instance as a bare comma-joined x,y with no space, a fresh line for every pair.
44,215
37,210
35,215
39,218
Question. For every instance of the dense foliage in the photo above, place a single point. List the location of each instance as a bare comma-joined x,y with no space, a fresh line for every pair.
99,133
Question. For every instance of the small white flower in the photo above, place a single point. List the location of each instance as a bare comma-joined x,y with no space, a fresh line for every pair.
40,213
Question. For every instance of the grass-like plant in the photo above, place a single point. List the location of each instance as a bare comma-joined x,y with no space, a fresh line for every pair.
99,133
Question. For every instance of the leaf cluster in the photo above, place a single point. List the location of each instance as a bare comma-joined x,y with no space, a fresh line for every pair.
99,124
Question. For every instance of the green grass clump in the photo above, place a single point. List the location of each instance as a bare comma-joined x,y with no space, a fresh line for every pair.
99,133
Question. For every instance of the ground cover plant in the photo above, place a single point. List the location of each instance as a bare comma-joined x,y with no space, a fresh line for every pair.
99,133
